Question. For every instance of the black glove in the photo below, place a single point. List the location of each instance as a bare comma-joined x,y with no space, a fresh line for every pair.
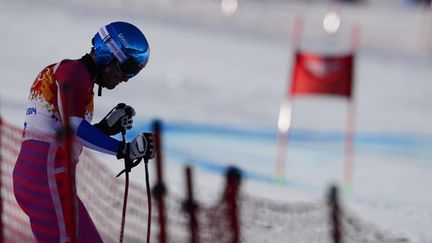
117,120
142,146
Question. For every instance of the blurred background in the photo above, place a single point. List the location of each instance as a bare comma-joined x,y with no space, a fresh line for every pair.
218,72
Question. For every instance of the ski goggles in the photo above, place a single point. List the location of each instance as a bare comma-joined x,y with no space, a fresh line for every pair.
126,64
130,67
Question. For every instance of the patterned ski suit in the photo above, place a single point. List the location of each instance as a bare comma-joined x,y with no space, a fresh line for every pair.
39,176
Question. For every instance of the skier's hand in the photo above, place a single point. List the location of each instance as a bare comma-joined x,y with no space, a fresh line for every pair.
142,146
117,120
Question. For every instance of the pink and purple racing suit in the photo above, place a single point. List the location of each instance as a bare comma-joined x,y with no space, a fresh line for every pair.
39,176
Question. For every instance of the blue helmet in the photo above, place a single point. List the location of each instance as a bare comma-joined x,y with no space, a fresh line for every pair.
124,42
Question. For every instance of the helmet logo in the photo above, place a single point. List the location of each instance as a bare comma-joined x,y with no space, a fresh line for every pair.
123,40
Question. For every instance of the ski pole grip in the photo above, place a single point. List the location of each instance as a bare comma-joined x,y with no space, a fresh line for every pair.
120,105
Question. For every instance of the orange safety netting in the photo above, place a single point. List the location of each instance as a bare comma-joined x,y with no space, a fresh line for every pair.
235,217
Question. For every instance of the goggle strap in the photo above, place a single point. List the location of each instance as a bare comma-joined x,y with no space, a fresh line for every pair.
112,45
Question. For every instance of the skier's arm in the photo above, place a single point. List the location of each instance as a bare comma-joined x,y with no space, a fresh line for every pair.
93,138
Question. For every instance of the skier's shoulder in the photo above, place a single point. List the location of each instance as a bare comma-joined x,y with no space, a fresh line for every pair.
69,69
71,66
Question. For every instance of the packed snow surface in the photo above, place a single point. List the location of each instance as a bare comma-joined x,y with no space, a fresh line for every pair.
217,82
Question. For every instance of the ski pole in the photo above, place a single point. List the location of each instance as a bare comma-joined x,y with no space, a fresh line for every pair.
128,166
126,191
148,199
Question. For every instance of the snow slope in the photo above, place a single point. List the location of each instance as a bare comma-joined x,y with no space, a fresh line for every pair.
217,83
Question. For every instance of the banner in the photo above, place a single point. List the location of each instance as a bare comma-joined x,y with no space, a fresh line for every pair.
322,74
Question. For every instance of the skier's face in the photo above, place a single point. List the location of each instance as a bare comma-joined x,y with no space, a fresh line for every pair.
111,77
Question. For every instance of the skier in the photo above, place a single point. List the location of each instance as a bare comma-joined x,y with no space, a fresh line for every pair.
120,50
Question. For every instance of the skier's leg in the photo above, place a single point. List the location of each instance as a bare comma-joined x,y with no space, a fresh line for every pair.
87,231
32,191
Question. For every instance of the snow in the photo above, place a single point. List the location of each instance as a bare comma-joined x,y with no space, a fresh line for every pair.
229,76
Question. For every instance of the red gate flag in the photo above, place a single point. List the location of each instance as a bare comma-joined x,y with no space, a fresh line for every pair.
322,74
